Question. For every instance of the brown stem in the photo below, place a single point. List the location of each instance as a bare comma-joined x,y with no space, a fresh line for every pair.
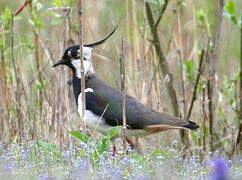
181,57
5,91
183,85
17,78
205,118
161,13
122,77
79,5
162,61
239,136
165,71
212,68
38,61
194,93
21,8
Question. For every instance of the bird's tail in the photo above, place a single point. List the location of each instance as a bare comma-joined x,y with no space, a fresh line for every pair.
172,123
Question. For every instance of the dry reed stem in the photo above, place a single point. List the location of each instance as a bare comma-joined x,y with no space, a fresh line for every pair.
212,68
199,73
165,70
17,75
239,135
122,78
79,5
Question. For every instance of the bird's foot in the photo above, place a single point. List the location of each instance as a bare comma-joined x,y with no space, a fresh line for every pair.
114,151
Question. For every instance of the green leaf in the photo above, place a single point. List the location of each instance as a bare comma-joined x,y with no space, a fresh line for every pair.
7,14
229,7
156,152
57,3
56,21
82,153
113,132
82,137
39,6
103,146
201,85
7,19
39,86
188,67
16,18
155,2
36,23
229,11
49,147
195,136
201,15
57,15
2,44
61,3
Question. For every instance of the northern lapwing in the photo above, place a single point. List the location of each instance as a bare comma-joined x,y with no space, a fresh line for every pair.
103,102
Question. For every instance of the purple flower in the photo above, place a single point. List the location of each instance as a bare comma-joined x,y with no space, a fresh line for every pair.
221,169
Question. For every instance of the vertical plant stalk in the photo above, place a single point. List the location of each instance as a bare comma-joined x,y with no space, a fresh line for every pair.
39,63
182,85
67,42
183,133
164,66
204,123
135,44
144,56
64,92
162,60
181,58
79,7
194,92
212,68
5,124
17,78
122,77
239,136
21,7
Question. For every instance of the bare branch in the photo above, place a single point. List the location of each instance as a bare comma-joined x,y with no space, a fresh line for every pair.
79,5
21,8
161,13
194,93
239,136
122,76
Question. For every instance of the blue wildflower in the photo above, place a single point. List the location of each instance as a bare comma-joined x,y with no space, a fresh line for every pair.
221,169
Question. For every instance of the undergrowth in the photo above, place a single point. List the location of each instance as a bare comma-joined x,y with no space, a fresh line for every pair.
93,160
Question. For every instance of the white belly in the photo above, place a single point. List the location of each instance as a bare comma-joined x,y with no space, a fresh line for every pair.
98,123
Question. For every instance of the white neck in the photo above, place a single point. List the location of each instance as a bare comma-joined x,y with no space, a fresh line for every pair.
88,68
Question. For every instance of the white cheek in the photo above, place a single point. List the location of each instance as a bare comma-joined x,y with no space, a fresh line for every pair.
77,65
87,52
86,65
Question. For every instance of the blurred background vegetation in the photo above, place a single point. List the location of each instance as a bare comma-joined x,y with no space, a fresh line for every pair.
37,103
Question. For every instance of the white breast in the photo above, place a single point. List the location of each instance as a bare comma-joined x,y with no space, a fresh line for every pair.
92,120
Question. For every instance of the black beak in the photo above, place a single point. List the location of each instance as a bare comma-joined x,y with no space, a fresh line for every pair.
60,62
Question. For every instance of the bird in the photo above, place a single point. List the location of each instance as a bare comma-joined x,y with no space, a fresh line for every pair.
104,102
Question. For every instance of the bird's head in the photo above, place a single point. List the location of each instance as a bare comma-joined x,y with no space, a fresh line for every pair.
71,57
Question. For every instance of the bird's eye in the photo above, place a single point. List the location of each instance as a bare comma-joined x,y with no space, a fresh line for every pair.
84,58
73,53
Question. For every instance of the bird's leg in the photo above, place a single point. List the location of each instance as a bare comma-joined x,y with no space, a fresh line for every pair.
134,143
130,142
114,149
